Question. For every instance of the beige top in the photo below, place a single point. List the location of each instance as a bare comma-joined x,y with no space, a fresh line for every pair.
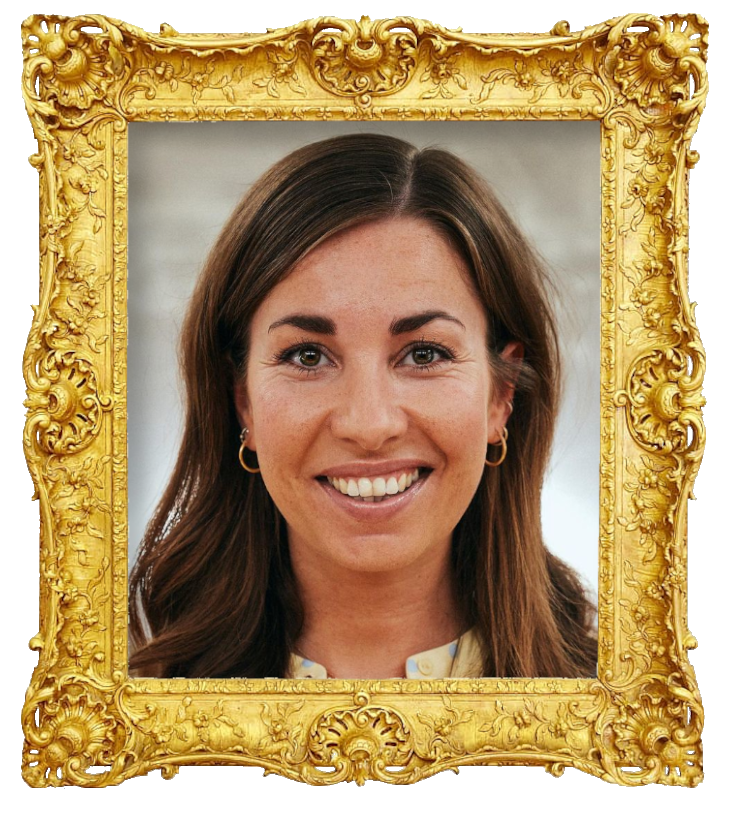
460,658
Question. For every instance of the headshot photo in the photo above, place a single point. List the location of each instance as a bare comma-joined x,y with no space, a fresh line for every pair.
363,403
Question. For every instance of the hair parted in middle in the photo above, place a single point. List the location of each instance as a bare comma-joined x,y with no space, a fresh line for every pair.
212,592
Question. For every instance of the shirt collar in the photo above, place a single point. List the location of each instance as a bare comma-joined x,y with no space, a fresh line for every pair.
461,657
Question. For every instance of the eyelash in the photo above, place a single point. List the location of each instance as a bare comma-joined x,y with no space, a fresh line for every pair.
284,357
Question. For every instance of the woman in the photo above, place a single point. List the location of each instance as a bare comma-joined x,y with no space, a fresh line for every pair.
371,374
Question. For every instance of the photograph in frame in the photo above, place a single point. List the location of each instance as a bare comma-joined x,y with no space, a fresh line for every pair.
183,183
648,457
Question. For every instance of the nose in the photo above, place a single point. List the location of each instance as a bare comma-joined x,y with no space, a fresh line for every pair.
368,410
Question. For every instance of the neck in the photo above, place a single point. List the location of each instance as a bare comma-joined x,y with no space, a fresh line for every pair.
364,625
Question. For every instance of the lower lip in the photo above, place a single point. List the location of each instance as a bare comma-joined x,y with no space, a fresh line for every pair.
370,510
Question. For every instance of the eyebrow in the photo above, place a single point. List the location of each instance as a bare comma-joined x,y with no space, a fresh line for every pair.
317,324
401,325
314,323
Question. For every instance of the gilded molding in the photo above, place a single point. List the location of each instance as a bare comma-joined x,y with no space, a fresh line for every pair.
84,79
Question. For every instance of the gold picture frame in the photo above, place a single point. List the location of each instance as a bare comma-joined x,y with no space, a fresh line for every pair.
86,721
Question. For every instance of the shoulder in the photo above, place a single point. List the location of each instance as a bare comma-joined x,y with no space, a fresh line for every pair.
468,660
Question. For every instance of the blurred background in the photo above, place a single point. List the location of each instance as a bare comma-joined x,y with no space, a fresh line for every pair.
185,179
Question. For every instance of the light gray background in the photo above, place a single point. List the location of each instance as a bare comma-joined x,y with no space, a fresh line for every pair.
184,181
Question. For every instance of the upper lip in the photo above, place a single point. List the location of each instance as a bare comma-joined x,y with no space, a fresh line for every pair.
369,469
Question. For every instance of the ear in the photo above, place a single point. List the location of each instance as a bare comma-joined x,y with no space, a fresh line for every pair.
503,398
243,410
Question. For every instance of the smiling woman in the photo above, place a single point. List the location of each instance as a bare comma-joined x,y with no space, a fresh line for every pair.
370,331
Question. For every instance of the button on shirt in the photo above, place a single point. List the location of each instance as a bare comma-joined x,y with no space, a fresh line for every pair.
460,658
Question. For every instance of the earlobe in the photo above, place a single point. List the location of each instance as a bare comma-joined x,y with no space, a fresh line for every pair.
503,402
497,419
503,448
243,412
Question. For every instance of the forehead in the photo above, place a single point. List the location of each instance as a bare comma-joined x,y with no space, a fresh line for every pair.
378,269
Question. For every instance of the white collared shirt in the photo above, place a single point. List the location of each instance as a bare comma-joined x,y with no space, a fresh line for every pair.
460,658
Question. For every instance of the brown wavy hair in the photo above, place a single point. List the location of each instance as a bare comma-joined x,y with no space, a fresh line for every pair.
212,593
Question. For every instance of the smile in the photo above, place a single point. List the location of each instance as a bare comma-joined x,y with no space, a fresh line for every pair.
371,507
374,489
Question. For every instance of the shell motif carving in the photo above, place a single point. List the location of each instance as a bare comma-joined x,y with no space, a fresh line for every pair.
653,66
69,407
70,65
664,401
364,59
361,742
67,733
660,736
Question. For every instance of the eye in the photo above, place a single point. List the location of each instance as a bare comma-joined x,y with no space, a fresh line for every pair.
309,357
424,356
305,358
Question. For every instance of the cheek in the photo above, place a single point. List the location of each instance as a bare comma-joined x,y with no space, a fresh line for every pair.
460,435
284,428
458,412
276,427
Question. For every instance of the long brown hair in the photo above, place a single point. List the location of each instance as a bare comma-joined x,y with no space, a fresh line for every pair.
212,592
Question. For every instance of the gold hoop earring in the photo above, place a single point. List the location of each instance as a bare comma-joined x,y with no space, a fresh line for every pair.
504,450
243,438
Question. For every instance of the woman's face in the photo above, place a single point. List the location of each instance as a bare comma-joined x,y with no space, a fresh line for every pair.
368,372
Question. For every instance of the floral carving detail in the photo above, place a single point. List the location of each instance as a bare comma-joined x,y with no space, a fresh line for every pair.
562,72
567,74
652,282
283,72
654,155
75,731
653,67
512,727
364,59
561,726
82,171
200,75
78,600
283,732
74,493
360,742
643,622
69,64
655,733
79,299
664,400
151,723
650,197
206,727
440,72
164,73
69,405
444,741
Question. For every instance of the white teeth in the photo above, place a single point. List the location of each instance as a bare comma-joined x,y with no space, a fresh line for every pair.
366,487
374,489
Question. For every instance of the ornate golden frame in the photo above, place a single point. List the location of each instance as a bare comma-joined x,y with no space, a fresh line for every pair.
86,721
